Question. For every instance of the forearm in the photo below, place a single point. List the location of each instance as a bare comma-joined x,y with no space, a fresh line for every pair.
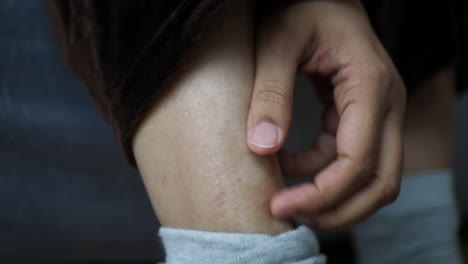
191,149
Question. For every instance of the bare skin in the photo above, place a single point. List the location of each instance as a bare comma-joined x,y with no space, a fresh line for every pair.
191,149
357,159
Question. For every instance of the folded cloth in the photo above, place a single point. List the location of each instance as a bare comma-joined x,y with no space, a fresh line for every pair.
125,51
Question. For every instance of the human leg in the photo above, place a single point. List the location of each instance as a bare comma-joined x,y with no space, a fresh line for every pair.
191,148
209,191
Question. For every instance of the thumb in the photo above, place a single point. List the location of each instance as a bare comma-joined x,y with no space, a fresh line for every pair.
272,99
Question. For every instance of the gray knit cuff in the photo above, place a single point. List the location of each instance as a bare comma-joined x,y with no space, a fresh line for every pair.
420,227
299,246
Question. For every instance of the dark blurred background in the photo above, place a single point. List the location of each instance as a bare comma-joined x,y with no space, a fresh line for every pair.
66,193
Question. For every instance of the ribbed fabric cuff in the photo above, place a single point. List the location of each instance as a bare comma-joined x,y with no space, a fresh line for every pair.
420,227
298,246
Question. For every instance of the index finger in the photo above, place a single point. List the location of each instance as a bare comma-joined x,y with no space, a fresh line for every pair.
358,133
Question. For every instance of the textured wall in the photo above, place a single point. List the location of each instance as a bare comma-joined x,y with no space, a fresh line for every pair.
65,191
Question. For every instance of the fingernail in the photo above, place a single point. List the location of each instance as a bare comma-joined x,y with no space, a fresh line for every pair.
265,135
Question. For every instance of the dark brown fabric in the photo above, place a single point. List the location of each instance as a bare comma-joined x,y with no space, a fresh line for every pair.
125,50
421,37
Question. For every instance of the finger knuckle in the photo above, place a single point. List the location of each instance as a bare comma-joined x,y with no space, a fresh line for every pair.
366,169
363,170
381,74
390,83
273,93
399,87
391,191
380,70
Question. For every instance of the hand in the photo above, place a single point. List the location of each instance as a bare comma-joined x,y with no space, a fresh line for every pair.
357,158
